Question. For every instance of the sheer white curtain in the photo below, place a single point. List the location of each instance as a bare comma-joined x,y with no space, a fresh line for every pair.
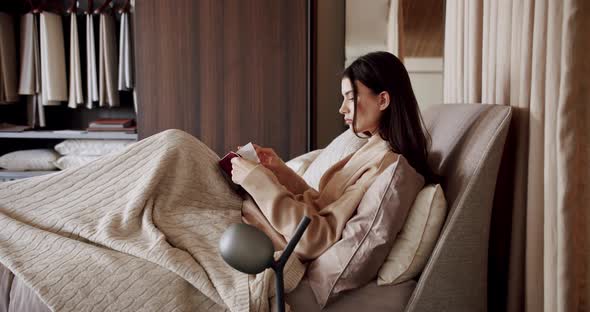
531,54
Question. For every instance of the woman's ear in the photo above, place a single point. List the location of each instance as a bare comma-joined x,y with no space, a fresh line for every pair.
383,100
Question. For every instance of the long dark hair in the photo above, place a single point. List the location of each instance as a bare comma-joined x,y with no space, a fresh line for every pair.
401,123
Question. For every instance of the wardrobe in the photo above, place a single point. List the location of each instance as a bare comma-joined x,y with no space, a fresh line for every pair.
228,72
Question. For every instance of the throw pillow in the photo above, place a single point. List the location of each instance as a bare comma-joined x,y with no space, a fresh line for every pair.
342,146
367,238
415,243
73,161
91,147
29,160
300,163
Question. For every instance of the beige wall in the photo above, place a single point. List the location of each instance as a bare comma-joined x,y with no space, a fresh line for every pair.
330,63
426,75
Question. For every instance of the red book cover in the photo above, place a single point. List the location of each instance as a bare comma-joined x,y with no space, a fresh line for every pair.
111,122
225,163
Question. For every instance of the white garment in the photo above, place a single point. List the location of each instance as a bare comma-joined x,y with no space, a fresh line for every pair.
30,70
125,55
54,87
76,96
107,60
91,79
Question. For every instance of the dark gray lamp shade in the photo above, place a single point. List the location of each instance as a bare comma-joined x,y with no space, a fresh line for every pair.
246,248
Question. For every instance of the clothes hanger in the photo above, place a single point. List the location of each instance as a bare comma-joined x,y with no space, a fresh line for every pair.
126,7
90,7
43,7
101,8
73,9
35,10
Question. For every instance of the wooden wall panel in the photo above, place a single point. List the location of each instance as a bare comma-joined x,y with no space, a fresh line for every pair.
228,72
423,28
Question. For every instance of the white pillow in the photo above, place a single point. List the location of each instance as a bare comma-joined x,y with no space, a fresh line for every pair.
300,163
29,160
342,146
91,147
72,161
415,242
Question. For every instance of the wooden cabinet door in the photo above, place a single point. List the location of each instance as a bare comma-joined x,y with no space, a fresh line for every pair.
228,72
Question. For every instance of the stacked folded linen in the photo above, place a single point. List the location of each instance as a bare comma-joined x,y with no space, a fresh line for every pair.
77,152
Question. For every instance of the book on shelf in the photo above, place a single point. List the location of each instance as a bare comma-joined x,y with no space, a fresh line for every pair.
6,127
132,129
111,123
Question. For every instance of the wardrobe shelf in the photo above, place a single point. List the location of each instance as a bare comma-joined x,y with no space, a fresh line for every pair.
69,135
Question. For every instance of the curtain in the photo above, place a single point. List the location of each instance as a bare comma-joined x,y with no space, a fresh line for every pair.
530,54
395,27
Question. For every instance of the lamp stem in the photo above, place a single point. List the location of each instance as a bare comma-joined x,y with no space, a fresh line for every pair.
280,289
279,265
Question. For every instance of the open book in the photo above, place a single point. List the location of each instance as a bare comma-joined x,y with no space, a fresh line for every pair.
247,152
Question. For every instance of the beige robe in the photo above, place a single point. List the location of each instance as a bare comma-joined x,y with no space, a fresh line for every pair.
276,208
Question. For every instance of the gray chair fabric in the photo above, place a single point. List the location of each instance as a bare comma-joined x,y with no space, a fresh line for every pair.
467,145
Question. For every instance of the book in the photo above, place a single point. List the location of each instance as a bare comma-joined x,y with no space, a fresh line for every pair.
247,152
111,123
6,127
132,129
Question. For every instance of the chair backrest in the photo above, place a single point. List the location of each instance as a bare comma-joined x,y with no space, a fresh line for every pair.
467,145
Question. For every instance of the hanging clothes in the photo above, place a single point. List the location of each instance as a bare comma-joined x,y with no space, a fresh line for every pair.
30,70
76,96
107,60
91,79
54,87
8,74
126,82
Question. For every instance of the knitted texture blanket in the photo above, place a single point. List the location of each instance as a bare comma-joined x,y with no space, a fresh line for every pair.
134,230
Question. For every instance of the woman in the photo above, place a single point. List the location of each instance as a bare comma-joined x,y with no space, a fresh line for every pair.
378,104
144,224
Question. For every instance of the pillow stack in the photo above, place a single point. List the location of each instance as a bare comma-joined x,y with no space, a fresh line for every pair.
392,234
75,152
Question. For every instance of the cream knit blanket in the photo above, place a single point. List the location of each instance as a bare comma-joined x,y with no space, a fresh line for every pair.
135,230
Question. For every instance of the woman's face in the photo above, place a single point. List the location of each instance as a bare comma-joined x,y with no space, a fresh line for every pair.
370,106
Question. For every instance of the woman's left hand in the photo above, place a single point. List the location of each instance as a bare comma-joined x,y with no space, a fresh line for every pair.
240,169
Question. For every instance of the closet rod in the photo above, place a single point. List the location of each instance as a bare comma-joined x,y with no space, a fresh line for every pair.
43,7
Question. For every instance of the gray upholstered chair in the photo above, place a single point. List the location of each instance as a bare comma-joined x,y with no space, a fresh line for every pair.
467,145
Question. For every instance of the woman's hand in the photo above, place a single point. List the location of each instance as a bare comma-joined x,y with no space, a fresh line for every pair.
269,159
240,169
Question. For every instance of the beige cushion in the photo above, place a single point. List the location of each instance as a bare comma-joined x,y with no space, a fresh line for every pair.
342,146
300,163
414,244
367,238
73,161
29,160
91,147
